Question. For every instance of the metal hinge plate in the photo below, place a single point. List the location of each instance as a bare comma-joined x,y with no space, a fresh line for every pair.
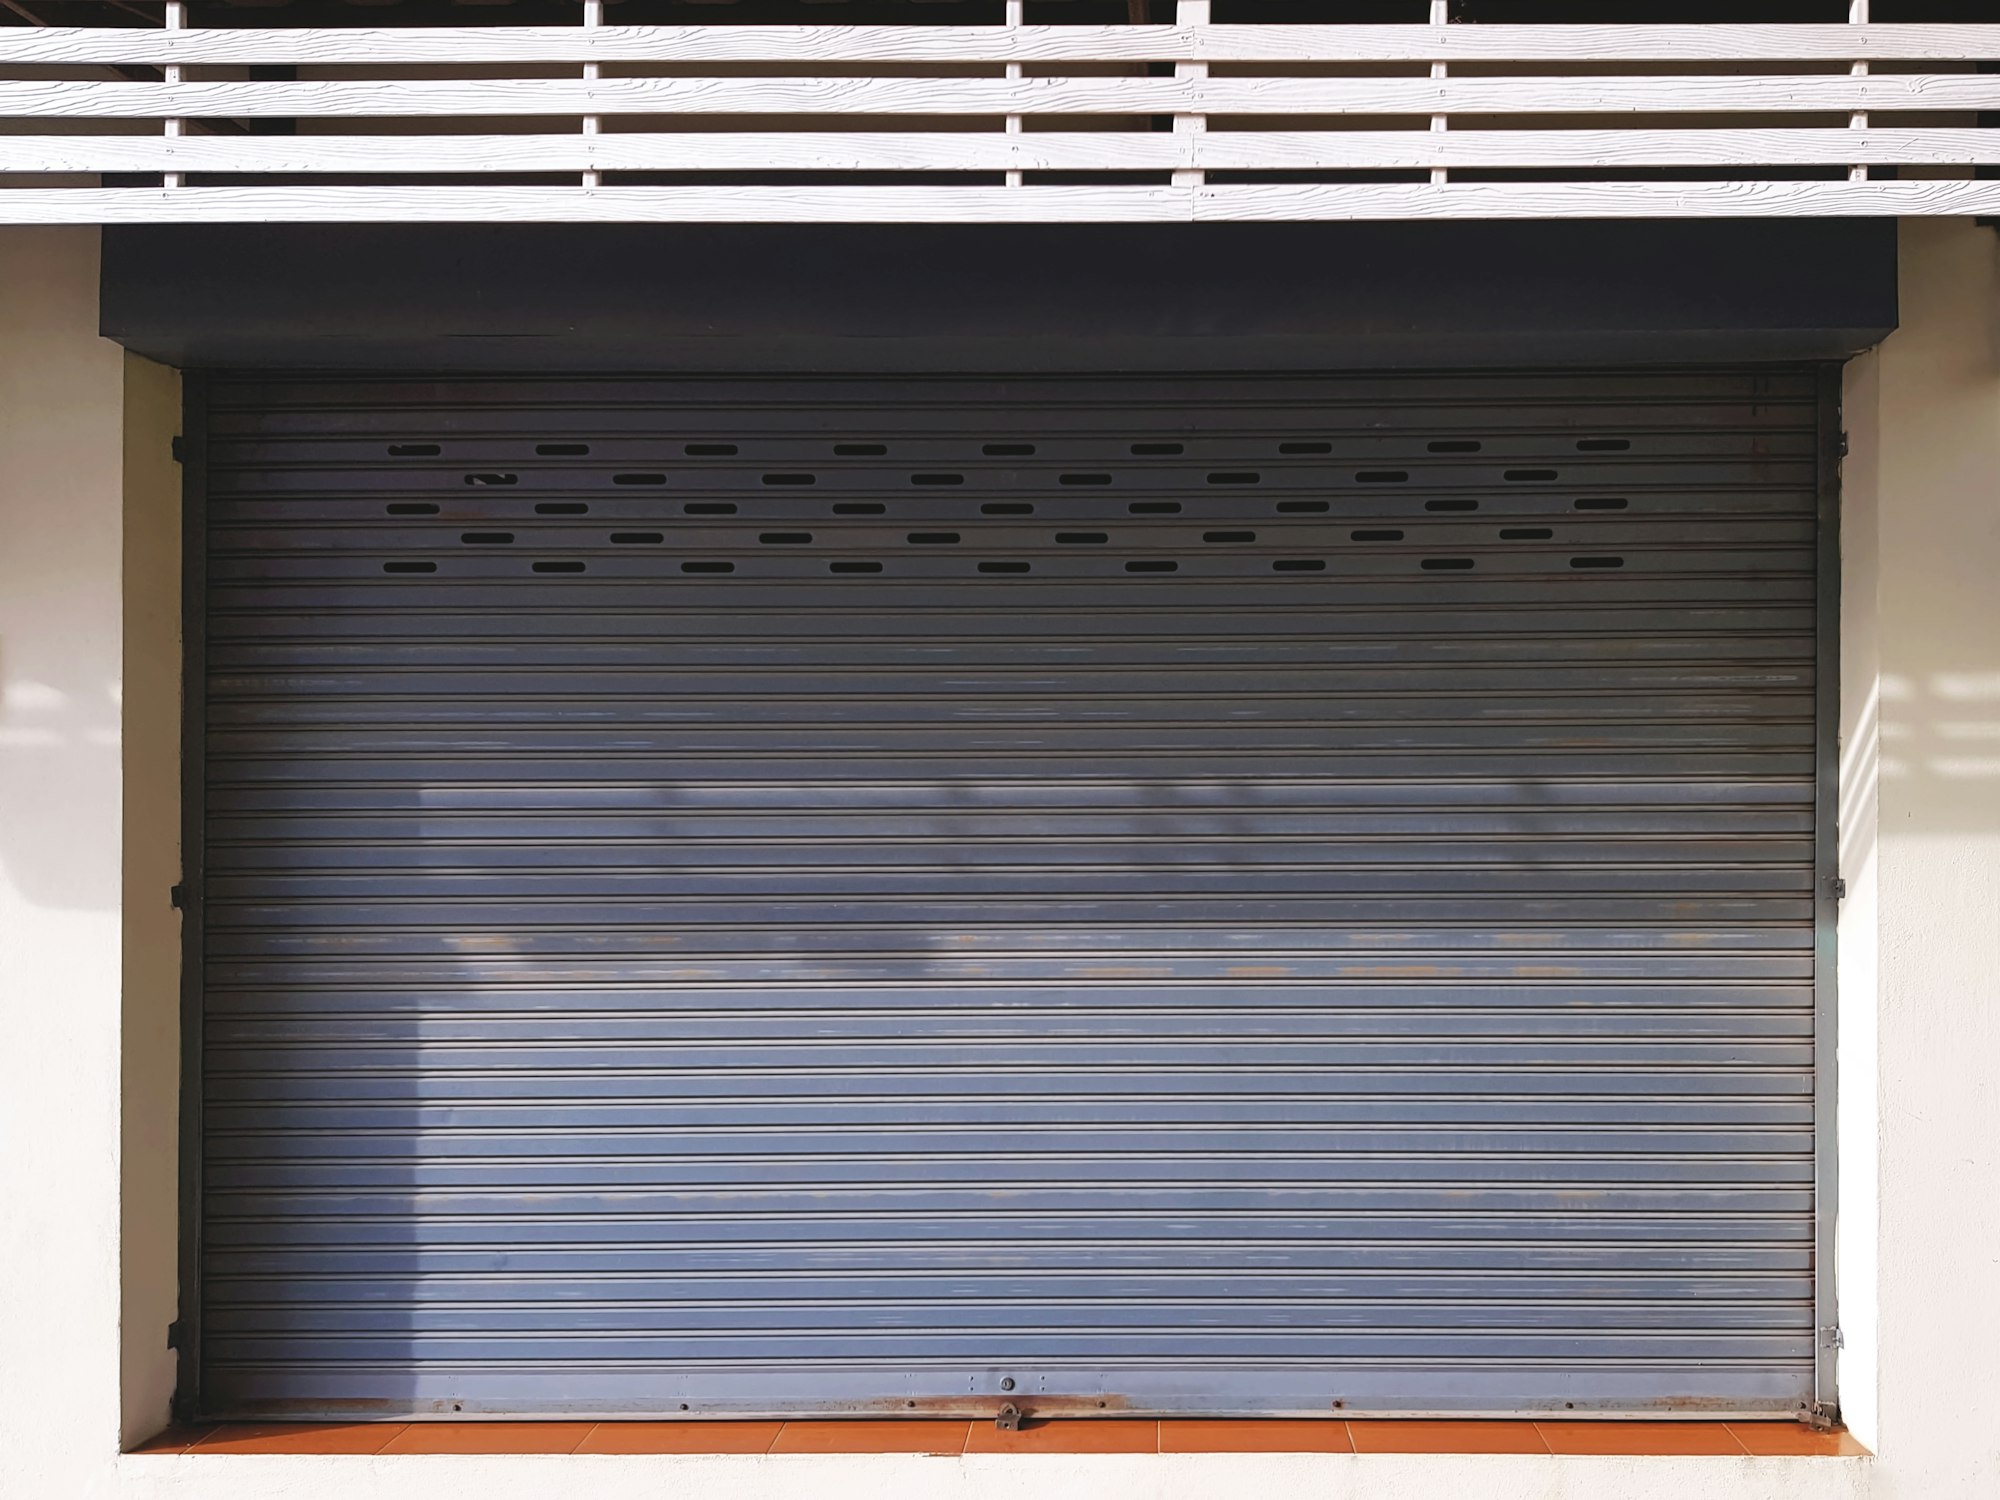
177,1334
1837,888
179,449
177,897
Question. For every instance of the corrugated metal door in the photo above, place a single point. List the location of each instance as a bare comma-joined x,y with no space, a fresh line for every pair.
1267,895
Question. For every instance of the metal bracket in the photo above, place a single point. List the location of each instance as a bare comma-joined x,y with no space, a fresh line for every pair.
177,897
1820,1418
179,449
177,1334
1836,888
1009,1419
1830,1337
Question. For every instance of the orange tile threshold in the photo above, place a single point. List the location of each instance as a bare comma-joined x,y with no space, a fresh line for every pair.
947,1439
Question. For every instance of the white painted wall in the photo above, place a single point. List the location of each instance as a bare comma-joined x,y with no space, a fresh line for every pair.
85,660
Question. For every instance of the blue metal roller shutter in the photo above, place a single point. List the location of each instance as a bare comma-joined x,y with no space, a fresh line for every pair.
1170,895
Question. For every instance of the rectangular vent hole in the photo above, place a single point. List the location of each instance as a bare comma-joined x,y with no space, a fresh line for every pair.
791,478
937,479
1597,562
638,479
710,450
1236,476
414,450
1446,564
558,567
1229,536
409,567
562,508
1383,476
562,450
1009,450
1602,502
859,508
411,508
1158,450
1455,445
1151,565
1305,448
1081,538
1298,565
708,567
854,567
637,538
1007,508
1004,567
1376,536
933,538
493,480
784,538
1304,507
1529,476
1603,445
486,538
860,450
1526,534
709,508
1155,507
1451,505
1084,479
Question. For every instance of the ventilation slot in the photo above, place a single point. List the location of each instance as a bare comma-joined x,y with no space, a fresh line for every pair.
1235,477
1298,565
1151,565
1155,507
486,538
414,450
1007,508
709,508
1455,445
562,450
637,538
1376,536
1081,538
638,479
411,508
409,567
1530,476
1005,567
708,567
1158,450
1303,449
1603,445
937,479
1446,564
854,567
933,538
784,538
562,508
1453,505
1084,479
493,481
558,567
1597,562
859,508
1526,534
710,450
791,479
1304,507
1383,476
1602,502
1009,450
1229,536
860,450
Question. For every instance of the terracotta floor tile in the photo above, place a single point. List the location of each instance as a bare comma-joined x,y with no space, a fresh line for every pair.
1641,1439
1445,1437
1794,1440
1114,1435
680,1437
490,1437
1179,1435
174,1439
872,1437
299,1437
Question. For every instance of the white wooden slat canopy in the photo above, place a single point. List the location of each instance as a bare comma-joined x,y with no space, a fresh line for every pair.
995,123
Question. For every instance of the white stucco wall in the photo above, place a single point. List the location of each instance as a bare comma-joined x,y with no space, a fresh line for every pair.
88,1075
